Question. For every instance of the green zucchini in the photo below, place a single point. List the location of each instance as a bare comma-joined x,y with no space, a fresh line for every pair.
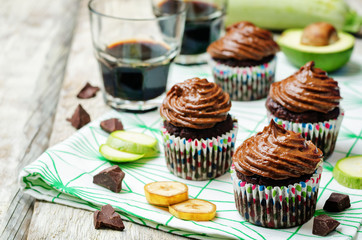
285,14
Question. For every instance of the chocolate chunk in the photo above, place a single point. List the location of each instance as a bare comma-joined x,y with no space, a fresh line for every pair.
323,224
110,178
337,202
88,91
108,218
111,125
80,117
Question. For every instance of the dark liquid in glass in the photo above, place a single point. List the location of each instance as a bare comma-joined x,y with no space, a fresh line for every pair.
140,72
203,24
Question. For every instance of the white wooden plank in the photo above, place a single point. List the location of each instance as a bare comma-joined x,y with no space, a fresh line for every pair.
35,37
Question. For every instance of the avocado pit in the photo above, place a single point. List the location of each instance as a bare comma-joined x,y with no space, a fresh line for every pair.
319,34
319,42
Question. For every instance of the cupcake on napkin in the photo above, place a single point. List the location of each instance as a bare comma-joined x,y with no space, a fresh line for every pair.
308,102
199,135
276,178
243,61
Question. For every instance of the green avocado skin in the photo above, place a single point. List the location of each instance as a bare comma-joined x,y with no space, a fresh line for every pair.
326,61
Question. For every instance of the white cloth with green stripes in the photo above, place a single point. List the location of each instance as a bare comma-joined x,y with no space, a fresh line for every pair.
64,173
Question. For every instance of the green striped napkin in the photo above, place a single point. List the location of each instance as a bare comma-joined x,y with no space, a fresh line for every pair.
64,173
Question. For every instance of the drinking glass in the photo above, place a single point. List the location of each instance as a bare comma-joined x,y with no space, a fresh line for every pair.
204,24
134,49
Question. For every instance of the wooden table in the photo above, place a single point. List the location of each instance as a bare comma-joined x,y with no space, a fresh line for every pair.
46,58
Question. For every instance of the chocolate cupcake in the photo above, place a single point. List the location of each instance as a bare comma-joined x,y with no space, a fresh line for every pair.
199,135
308,102
276,177
243,61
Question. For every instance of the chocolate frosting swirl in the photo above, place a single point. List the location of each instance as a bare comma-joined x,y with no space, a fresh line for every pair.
244,41
309,89
195,103
277,153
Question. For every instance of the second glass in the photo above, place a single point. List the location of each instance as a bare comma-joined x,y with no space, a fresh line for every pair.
134,49
204,25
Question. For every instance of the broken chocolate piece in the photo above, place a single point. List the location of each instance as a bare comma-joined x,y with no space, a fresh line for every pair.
110,178
111,125
337,202
108,218
88,91
323,224
80,117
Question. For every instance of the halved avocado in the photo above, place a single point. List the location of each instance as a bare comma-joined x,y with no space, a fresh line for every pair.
329,58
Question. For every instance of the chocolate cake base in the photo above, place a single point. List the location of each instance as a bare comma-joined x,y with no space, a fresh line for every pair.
305,117
244,63
255,179
184,132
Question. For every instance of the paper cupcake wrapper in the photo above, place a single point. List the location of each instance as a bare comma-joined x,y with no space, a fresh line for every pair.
322,134
277,207
244,83
195,159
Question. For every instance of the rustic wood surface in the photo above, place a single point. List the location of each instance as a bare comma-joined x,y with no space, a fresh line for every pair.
35,37
38,85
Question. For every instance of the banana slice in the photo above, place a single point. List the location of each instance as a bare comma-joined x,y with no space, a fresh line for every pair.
193,209
165,193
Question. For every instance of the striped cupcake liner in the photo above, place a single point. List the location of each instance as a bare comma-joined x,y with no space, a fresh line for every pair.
194,159
277,207
322,134
244,83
